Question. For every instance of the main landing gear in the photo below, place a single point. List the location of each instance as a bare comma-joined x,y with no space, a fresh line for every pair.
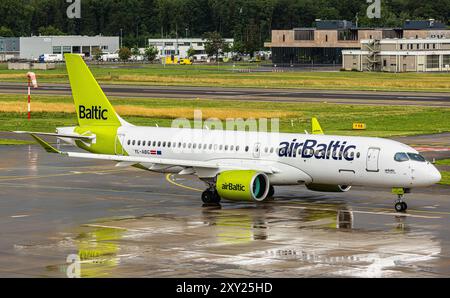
400,204
210,196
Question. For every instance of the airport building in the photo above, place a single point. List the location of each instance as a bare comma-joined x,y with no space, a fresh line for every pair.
324,43
32,47
9,48
399,55
181,46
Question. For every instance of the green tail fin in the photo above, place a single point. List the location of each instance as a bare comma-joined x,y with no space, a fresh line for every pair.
315,127
92,105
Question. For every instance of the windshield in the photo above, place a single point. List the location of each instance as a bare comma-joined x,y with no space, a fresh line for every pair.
401,157
416,157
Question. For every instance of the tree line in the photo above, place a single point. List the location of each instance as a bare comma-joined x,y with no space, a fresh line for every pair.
249,22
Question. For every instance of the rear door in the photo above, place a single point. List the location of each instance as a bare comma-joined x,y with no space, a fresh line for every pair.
373,156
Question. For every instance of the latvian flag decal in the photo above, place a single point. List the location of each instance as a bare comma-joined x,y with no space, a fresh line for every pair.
155,152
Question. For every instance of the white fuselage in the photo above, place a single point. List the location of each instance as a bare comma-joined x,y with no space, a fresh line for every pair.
294,158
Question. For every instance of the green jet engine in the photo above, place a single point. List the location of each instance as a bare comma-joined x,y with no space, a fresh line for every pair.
328,188
243,186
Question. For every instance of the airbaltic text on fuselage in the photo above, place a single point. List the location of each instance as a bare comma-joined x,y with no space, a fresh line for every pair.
94,112
336,150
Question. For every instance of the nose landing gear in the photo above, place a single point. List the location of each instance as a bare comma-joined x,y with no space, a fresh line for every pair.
400,204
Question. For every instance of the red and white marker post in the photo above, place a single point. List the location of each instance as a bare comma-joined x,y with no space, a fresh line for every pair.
31,80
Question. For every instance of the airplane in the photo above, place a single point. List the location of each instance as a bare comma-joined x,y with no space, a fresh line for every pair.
237,165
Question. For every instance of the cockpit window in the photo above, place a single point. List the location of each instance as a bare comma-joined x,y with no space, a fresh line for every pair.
416,157
401,157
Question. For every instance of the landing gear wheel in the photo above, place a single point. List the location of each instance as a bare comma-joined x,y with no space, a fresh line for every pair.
207,197
399,207
210,197
405,206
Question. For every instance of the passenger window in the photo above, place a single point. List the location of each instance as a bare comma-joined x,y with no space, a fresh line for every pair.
271,150
416,157
159,144
237,148
400,157
134,142
169,145
220,147
232,148
139,143
226,147
129,142
154,143
195,146
210,146
246,148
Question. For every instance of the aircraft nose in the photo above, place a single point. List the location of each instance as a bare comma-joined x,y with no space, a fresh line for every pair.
435,175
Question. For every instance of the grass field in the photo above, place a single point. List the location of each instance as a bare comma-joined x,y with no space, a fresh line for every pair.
14,142
444,162
223,76
445,178
384,121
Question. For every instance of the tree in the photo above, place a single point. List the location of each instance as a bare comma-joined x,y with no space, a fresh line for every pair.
150,53
214,43
49,31
6,32
124,54
190,52
97,54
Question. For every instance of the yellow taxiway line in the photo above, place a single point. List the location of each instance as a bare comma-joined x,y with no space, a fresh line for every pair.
169,179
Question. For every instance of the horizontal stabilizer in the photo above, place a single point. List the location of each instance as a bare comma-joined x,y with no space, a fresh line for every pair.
68,136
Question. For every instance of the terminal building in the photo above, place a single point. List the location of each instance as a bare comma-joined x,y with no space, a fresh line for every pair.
324,43
181,46
9,48
32,47
399,55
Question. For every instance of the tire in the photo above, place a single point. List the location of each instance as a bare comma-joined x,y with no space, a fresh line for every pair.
405,206
399,207
207,197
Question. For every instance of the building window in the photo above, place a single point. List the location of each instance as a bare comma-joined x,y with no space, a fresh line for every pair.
433,61
284,38
57,50
446,60
348,35
304,35
401,47
67,49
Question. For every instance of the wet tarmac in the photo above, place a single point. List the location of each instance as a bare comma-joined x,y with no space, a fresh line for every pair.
131,223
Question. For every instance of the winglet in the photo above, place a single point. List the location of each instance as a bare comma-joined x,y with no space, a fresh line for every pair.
49,148
315,127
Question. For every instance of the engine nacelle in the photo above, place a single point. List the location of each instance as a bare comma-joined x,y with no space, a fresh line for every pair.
328,187
243,186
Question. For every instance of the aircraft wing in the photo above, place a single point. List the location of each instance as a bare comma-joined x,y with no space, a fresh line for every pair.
133,160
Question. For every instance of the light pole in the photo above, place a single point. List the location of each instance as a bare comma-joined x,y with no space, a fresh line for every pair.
121,38
187,29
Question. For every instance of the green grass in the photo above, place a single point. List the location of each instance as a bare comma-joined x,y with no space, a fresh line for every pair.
382,121
223,76
14,142
443,162
445,178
